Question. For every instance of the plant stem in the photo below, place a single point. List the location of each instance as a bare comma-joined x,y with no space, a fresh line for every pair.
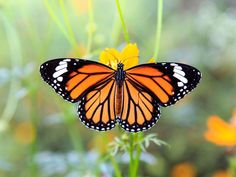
16,61
158,28
91,26
116,167
73,131
138,153
71,33
232,163
70,38
126,34
131,155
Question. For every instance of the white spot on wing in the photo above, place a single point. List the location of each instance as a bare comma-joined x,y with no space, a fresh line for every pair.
60,72
60,78
179,71
181,78
178,67
180,84
173,64
62,62
59,67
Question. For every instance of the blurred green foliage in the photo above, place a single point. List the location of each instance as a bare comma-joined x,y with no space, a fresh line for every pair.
40,134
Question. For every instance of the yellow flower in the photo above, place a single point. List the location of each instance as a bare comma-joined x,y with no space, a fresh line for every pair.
183,170
220,132
128,56
222,173
25,133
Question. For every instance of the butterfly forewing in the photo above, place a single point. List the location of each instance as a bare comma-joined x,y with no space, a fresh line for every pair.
166,82
71,78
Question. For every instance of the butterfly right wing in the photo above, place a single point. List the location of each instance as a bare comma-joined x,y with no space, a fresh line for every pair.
71,78
167,82
140,111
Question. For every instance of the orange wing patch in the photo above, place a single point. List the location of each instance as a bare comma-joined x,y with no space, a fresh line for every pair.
86,84
75,80
164,85
153,86
94,68
139,112
97,106
145,70
153,80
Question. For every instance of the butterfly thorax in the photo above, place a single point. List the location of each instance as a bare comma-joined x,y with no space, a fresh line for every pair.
120,74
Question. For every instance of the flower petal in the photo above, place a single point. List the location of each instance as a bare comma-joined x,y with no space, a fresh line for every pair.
129,56
110,57
220,132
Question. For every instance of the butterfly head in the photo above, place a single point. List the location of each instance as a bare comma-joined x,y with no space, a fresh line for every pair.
120,66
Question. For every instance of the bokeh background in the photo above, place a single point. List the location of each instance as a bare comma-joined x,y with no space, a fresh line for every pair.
40,135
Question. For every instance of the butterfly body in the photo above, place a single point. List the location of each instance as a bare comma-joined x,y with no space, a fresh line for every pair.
131,97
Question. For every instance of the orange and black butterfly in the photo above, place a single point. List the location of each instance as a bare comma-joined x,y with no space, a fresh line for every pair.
131,98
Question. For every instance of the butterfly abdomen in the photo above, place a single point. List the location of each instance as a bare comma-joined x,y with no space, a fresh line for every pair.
118,100
119,78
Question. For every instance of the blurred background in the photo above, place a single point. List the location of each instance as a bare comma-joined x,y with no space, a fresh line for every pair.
40,135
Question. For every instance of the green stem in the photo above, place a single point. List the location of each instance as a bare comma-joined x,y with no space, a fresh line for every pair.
115,32
138,153
34,117
116,167
131,155
232,162
16,60
158,28
126,34
91,26
73,131
70,38
71,33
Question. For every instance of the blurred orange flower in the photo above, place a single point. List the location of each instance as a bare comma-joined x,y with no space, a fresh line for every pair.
25,133
80,6
220,132
183,170
128,56
222,173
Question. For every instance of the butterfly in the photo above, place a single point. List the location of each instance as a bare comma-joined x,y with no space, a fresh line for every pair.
132,97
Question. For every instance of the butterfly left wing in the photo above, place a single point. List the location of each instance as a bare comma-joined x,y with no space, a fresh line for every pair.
72,78
166,82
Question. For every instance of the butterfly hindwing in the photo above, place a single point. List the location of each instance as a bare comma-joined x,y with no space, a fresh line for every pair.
167,82
96,109
139,110
71,78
